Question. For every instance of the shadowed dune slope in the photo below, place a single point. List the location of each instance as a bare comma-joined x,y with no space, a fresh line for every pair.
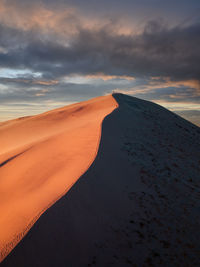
41,157
137,204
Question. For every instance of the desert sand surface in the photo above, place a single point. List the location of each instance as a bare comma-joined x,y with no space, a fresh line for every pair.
41,157
137,204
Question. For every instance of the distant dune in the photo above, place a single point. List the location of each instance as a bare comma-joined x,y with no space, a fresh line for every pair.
41,158
136,202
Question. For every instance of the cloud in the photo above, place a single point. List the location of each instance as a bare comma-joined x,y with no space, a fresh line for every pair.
157,51
156,62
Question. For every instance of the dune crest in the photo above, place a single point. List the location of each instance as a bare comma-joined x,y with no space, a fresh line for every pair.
41,157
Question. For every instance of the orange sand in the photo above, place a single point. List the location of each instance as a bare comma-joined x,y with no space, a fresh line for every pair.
47,153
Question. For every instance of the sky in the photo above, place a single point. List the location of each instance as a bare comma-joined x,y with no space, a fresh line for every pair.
54,53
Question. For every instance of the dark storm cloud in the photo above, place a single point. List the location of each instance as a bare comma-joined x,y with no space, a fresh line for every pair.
157,51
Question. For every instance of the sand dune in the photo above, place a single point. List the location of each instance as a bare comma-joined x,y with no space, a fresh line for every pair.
136,205
41,157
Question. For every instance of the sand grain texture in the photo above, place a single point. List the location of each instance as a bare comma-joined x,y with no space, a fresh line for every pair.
41,157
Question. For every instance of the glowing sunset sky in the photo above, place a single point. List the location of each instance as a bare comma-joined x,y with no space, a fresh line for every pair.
53,53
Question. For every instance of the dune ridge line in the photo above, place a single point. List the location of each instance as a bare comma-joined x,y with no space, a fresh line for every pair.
90,117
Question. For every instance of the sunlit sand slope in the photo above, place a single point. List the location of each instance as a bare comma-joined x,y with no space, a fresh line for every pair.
137,204
41,157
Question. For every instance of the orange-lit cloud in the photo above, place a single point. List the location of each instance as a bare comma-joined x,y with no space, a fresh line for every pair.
64,21
158,83
42,92
105,77
38,17
45,82
169,83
